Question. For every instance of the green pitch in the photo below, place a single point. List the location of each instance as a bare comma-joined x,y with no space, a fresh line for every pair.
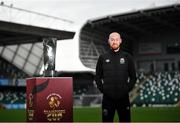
94,114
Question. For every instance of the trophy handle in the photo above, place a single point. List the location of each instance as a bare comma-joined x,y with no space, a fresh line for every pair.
49,53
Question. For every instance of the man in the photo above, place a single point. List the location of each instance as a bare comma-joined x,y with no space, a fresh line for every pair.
115,78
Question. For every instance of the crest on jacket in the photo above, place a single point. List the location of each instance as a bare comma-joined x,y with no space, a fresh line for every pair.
107,60
122,61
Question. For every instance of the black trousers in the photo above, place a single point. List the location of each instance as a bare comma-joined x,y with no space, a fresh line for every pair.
122,106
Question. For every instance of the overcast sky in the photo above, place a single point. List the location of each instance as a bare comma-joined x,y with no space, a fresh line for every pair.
80,11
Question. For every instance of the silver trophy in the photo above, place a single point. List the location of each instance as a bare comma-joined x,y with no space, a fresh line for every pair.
49,50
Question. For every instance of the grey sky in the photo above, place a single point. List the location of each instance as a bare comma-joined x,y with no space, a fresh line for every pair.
81,10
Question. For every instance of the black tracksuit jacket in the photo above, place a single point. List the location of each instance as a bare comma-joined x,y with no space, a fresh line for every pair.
115,74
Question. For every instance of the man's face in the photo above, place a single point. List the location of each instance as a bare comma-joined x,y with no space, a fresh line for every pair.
114,41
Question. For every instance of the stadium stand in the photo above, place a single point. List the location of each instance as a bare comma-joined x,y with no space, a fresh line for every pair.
150,89
9,70
10,74
90,52
12,82
9,96
159,88
12,97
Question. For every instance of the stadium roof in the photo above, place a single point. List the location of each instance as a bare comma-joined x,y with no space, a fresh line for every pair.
19,26
133,26
21,33
12,33
136,24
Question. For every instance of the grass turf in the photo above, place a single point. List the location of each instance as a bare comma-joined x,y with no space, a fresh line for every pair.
87,114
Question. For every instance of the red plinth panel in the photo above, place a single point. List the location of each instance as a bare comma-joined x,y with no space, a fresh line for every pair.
49,99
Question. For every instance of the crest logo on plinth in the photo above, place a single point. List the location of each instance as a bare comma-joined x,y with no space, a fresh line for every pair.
54,113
